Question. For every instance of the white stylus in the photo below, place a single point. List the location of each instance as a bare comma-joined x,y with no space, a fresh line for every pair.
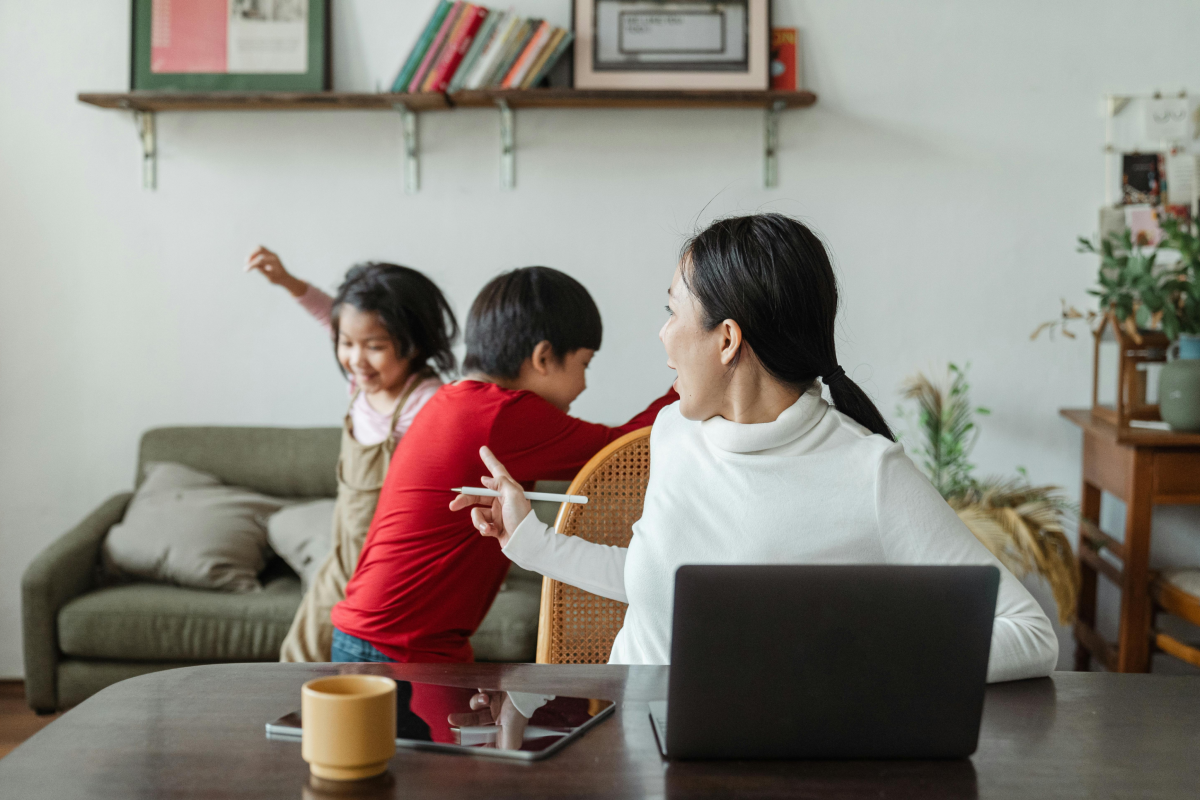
553,498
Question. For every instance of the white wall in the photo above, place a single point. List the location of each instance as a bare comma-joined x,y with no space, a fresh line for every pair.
951,160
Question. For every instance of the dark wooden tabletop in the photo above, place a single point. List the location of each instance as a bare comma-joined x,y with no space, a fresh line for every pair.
198,733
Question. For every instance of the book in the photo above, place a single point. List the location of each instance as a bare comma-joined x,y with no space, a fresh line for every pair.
405,75
783,59
435,47
491,55
453,54
482,37
515,47
535,69
520,67
547,65
447,44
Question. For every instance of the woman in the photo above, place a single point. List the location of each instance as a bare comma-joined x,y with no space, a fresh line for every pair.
752,466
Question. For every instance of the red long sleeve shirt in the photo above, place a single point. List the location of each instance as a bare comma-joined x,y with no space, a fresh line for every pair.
426,577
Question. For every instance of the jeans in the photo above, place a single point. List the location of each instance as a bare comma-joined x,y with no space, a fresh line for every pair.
351,648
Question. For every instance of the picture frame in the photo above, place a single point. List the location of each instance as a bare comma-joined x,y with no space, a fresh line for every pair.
672,44
230,45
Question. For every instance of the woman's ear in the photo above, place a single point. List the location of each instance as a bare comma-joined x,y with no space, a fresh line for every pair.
543,354
731,341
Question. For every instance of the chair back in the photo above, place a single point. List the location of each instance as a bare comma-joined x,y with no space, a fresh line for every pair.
578,627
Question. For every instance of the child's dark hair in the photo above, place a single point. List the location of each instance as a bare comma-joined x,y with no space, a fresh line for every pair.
411,307
771,275
521,308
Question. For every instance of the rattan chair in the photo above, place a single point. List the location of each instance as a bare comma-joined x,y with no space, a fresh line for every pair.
578,627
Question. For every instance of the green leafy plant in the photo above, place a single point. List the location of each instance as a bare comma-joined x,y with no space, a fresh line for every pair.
1184,238
946,421
1136,290
1020,523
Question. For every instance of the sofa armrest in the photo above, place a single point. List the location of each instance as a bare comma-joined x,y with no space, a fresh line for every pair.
64,570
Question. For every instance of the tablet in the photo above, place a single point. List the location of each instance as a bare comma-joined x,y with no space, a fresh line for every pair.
431,716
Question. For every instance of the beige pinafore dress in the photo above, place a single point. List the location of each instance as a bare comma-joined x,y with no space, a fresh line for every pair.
360,472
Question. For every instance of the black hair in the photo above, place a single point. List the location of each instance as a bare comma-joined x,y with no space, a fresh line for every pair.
519,309
411,308
771,275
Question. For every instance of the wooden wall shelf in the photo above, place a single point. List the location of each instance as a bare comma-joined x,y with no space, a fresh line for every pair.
145,105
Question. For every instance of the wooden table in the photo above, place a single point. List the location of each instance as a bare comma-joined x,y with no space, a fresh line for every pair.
1144,468
198,733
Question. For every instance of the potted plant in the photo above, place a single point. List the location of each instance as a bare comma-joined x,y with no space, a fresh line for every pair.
1179,382
1155,306
1021,524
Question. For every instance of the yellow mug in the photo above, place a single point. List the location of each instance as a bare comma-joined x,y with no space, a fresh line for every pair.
349,726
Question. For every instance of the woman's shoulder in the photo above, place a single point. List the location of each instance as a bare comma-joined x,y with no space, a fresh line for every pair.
839,432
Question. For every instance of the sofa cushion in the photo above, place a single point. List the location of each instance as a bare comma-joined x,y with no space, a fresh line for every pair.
184,527
157,622
302,535
509,631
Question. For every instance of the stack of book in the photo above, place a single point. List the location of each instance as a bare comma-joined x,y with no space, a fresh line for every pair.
467,46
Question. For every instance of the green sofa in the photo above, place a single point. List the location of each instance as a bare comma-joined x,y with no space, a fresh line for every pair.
82,633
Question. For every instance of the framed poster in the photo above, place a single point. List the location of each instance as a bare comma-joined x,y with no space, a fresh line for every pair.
671,44
230,45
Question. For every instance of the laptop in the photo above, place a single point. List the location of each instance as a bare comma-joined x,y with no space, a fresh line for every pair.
827,662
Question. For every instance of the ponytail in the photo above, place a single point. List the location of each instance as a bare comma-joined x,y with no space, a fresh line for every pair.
771,275
852,401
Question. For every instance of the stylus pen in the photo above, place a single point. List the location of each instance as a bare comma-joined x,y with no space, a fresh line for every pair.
553,498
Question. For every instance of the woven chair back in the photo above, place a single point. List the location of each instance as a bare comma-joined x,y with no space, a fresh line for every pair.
578,627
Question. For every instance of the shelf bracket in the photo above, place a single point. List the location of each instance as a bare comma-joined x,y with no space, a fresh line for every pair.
144,120
412,164
508,147
771,144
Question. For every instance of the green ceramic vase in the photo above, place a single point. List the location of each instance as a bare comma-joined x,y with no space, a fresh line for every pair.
1179,387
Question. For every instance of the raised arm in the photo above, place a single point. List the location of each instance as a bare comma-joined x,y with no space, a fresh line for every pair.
917,526
536,441
530,543
311,299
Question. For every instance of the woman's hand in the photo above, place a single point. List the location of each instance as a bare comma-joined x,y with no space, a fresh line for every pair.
499,516
271,267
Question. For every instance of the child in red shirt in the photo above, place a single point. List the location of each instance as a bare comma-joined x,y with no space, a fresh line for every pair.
425,578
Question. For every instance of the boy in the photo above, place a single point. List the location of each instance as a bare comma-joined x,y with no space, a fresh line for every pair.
426,578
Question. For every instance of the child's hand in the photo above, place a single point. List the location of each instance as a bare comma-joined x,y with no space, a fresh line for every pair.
506,512
272,269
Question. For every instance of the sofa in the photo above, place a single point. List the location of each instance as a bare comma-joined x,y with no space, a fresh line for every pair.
83,632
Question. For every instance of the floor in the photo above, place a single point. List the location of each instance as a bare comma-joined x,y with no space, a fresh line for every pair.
17,721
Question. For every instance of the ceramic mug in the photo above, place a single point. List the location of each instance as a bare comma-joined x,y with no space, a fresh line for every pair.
349,726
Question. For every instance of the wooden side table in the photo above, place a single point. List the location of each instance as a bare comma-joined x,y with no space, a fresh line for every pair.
1144,468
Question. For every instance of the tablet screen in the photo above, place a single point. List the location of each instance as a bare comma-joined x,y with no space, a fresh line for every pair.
523,725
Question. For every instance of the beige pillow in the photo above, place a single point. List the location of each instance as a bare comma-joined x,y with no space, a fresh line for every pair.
185,527
302,535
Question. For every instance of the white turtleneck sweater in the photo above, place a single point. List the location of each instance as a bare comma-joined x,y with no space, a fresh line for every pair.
812,487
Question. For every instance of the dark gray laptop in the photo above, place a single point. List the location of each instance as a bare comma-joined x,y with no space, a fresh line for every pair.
827,661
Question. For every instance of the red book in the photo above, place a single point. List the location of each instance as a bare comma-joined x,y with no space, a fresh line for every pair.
783,59
452,54
435,48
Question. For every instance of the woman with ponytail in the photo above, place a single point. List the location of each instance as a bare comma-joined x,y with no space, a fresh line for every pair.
752,465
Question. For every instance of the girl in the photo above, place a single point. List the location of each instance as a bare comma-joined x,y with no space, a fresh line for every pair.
752,466
392,330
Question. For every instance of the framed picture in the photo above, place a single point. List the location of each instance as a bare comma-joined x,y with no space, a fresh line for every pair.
672,44
230,45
